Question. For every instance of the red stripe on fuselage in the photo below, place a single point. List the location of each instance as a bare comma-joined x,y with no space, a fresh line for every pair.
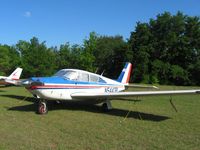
69,87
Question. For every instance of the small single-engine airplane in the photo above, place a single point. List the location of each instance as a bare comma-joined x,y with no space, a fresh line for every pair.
83,86
12,78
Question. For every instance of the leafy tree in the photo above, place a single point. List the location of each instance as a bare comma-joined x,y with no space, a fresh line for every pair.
178,74
111,53
4,59
63,56
76,54
9,59
37,59
160,72
140,43
167,49
87,56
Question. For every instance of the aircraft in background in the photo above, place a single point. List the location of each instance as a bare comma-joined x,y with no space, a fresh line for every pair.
15,75
82,86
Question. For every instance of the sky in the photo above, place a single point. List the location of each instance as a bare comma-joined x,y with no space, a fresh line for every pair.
60,21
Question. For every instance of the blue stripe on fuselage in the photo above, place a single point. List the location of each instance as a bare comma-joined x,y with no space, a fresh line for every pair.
60,80
57,80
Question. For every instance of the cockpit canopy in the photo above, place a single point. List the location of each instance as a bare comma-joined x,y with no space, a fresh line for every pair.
78,75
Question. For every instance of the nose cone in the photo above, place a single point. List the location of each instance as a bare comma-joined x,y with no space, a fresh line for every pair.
26,82
41,81
32,82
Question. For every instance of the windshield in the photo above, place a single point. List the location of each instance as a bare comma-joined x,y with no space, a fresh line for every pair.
67,74
78,76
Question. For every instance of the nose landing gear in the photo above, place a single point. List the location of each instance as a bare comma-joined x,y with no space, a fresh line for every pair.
42,108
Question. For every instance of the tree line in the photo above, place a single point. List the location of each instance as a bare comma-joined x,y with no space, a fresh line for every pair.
166,50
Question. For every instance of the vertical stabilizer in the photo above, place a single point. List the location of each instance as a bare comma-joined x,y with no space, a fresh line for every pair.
124,77
16,74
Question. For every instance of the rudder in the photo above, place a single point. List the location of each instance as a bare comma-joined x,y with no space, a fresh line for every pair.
124,76
16,74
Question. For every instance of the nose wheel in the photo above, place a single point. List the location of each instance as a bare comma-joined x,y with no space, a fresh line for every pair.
42,108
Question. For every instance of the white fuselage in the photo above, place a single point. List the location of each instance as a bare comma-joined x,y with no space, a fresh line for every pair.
62,91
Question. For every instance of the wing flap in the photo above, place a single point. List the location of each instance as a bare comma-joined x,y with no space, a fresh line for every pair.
126,94
142,86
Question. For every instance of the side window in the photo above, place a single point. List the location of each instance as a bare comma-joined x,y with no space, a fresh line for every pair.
94,78
83,77
71,75
101,80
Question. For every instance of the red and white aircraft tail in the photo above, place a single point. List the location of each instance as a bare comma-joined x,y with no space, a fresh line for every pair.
16,74
125,75
12,79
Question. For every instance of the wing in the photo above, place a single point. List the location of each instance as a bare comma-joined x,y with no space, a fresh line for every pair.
126,94
2,78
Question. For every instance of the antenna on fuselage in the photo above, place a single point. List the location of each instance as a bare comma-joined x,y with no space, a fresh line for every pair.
97,70
102,72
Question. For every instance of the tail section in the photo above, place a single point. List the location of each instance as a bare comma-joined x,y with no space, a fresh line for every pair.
124,77
16,74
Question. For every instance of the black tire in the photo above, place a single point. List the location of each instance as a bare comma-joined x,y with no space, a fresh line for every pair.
42,108
105,107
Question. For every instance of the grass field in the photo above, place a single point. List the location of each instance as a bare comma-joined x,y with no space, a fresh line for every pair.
151,124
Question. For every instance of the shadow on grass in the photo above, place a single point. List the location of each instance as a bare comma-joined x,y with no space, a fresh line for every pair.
85,107
21,98
2,87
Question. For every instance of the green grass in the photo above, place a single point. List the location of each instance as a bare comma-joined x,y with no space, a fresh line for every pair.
151,124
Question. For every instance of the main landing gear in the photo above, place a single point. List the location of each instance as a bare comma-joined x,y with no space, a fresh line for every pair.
42,107
106,106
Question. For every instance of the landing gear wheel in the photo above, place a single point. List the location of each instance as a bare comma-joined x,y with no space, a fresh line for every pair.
42,108
105,107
